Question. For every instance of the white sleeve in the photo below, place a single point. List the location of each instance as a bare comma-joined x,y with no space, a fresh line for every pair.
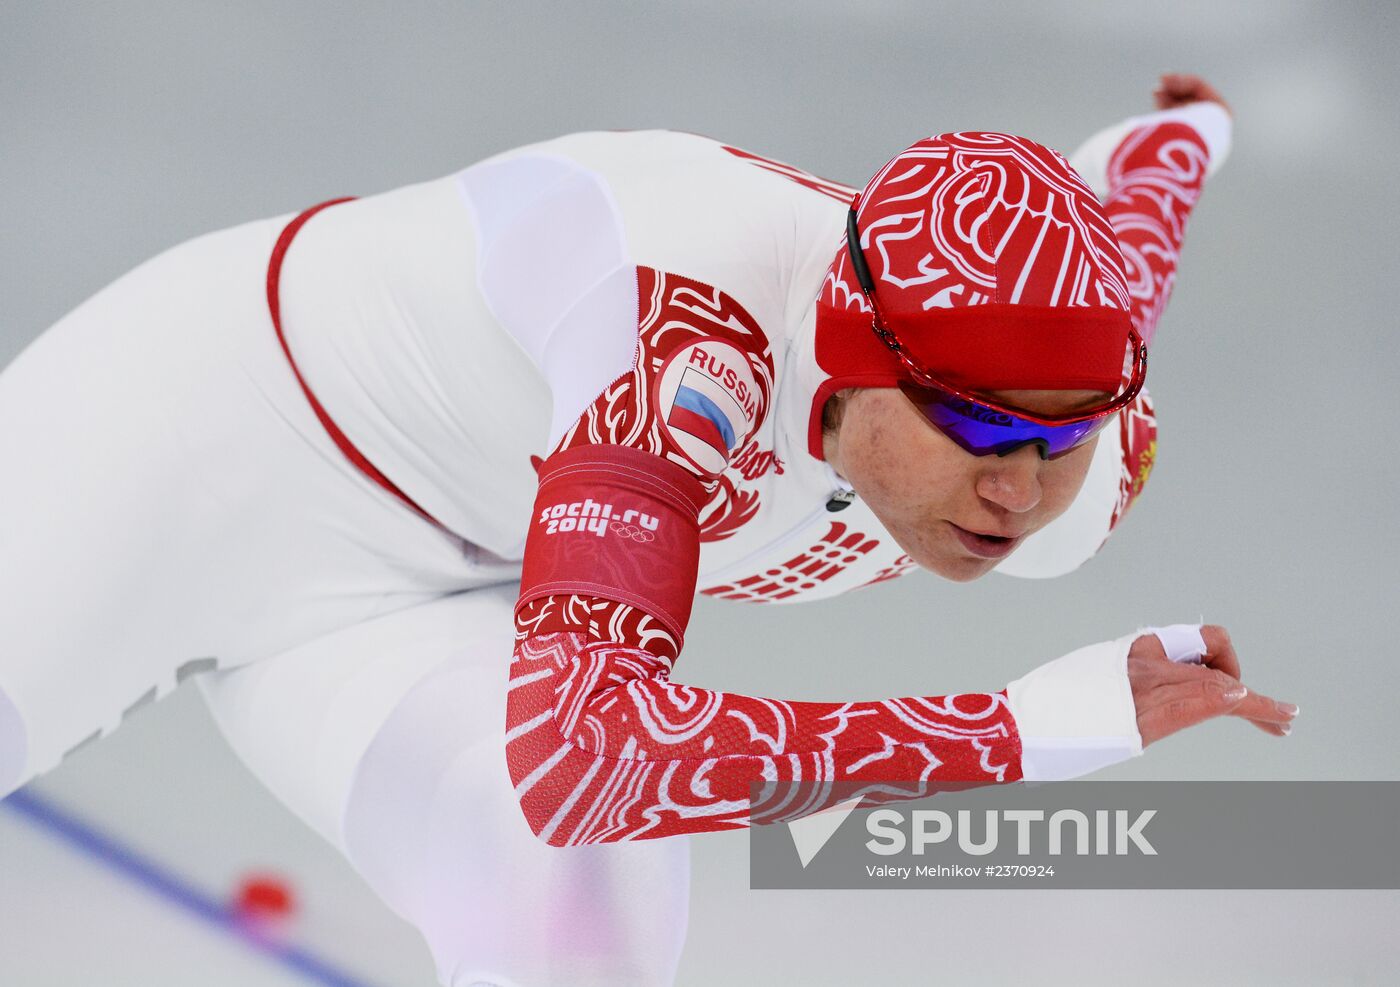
1076,714
554,269
1210,120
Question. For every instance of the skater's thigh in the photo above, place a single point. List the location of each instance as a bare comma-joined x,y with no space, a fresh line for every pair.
303,720
170,502
388,738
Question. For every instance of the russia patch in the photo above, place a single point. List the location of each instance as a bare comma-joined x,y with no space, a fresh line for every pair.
708,400
703,410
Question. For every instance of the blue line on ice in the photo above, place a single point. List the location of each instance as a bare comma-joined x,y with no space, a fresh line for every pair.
106,850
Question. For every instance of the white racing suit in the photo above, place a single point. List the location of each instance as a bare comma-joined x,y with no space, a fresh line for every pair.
175,503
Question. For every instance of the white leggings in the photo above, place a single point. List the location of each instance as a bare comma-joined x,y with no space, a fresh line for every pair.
387,738
169,504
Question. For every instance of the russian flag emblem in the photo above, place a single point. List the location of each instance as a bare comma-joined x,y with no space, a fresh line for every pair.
703,409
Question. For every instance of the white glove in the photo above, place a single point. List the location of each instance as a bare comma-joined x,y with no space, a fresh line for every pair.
1182,642
1076,714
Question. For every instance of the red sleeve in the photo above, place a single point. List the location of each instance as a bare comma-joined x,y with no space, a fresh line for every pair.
1155,178
601,745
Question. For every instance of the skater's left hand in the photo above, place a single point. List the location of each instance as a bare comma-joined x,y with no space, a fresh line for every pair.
1171,697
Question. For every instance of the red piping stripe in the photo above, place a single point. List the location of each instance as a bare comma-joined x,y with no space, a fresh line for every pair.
274,307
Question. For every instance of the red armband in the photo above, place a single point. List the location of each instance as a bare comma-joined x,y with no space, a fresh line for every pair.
617,523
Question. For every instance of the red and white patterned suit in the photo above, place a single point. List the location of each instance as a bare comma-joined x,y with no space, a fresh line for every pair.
569,302
602,745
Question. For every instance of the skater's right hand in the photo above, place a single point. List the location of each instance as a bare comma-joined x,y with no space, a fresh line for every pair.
1171,697
1176,89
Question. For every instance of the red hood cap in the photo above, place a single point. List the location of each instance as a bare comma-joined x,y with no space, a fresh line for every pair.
993,263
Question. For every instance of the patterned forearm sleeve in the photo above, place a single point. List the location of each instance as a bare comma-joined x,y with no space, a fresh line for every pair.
1154,176
1154,179
602,746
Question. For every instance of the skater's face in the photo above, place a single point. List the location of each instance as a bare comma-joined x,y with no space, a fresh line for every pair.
939,501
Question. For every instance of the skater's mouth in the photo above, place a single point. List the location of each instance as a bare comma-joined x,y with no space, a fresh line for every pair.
984,544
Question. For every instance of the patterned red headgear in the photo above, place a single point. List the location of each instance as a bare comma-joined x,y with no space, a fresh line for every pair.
993,263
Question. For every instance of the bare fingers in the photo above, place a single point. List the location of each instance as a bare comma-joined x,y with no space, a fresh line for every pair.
1173,707
1180,88
1198,694
1265,712
1221,656
1220,652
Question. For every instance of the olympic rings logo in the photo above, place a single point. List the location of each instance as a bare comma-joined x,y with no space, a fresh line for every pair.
631,531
